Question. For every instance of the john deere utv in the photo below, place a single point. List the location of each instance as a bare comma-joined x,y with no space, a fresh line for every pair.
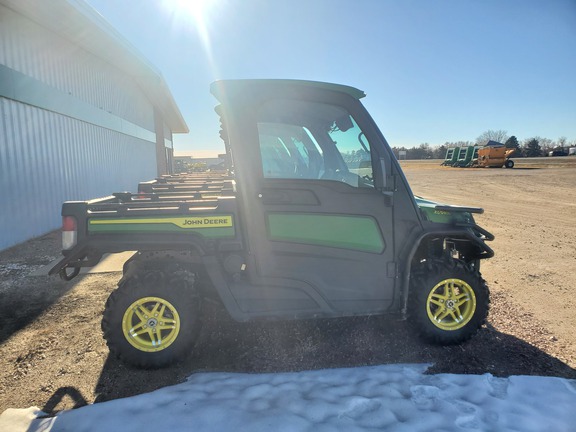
316,219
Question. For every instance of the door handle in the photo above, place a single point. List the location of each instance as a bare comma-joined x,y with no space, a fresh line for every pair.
275,197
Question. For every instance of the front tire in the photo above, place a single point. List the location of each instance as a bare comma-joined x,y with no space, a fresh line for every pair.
449,301
152,320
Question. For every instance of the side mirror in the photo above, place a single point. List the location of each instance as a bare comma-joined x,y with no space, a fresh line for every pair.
344,123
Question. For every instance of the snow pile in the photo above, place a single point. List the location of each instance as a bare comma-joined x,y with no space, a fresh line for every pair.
392,397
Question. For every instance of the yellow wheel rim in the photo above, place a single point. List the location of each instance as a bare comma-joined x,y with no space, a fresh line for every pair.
451,304
151,324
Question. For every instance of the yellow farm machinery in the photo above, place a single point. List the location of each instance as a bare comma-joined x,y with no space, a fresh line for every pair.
492,155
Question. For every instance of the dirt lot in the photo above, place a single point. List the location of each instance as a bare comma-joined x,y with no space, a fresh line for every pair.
53,356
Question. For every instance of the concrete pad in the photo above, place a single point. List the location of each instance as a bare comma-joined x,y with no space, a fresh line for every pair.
108,264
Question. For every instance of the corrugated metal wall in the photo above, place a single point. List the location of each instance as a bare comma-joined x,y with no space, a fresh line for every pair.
46,157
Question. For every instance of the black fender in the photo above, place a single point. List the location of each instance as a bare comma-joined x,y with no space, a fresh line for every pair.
473,233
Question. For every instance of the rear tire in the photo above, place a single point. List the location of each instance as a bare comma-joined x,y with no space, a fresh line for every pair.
449,301
152,320
509,164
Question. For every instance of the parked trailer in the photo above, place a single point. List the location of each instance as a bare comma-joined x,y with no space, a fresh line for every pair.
495,157
466,156
451,156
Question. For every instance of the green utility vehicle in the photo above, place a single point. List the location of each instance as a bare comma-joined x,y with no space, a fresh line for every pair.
316,219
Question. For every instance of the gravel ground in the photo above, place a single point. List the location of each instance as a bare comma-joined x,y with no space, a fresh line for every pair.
53,356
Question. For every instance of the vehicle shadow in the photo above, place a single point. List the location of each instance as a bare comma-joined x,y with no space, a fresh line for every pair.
25,297
18,311
226,346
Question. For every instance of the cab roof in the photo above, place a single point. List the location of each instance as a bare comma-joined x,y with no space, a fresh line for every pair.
224,89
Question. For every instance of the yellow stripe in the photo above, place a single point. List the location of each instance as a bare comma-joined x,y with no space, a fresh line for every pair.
182,222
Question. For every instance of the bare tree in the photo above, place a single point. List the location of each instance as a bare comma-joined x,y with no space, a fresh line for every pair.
492,135
546,144
458,143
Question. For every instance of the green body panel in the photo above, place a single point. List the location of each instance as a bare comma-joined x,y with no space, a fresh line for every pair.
348,232
432,214
208,226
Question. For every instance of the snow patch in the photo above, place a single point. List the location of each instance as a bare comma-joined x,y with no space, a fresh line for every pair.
392,397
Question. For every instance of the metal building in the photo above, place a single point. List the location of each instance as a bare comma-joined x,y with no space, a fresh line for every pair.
82,114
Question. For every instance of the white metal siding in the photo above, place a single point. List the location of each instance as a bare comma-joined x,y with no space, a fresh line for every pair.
47,158
41,54
47,155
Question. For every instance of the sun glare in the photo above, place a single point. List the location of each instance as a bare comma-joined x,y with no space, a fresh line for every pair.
192,12
193,15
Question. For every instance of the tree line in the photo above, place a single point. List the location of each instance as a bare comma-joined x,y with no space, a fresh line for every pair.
530,147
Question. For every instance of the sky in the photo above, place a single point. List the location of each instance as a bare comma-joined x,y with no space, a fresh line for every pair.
433,71
399,398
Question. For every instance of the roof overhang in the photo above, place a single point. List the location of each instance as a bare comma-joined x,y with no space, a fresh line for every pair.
78,22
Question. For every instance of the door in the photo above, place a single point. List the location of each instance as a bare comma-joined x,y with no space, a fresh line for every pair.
320,232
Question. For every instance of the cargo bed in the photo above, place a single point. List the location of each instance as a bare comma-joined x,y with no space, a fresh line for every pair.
194,214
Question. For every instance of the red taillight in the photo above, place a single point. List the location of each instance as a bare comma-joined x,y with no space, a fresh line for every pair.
68,223
69,232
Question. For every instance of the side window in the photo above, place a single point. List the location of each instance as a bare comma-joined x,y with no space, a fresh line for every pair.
309,140
288,151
